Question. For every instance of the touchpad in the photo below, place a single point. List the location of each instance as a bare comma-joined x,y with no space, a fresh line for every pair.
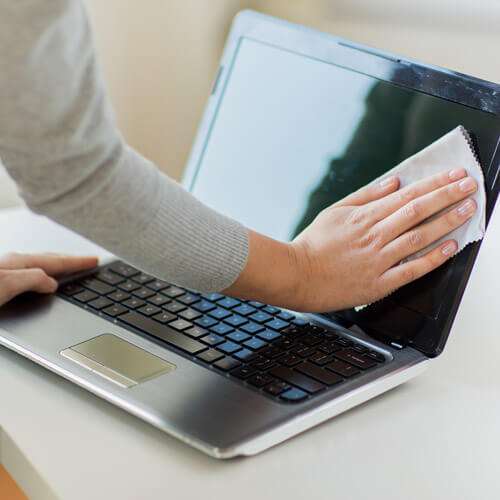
117,360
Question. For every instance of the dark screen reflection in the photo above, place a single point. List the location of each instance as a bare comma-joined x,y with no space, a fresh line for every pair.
398,123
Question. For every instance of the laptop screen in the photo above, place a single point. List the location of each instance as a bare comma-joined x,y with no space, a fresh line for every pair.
293,134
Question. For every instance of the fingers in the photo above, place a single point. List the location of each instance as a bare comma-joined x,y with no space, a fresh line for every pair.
15,282
371,192
395,201
420,209
422,236
403,274
53,264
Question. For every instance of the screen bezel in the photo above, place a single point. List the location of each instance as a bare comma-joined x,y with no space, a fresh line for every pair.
391,68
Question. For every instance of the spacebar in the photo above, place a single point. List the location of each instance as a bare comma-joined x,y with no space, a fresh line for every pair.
162,332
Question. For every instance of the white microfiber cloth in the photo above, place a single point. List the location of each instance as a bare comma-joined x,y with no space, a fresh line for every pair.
453,150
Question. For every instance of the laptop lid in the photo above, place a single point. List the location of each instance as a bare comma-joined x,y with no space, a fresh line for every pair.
298,119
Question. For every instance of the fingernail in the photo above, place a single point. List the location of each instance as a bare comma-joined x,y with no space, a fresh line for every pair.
467,185
468,208
54,284
456,174
449,248
387,181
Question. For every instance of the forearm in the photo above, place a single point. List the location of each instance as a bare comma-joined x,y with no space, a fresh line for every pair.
271,274
60,142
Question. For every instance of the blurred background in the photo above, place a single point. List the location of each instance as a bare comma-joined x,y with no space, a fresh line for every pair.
160,57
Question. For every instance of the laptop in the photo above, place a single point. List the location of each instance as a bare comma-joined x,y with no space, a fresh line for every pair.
296,120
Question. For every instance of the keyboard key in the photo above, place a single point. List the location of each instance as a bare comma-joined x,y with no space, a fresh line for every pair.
252,328
255,344
210,355
189,314
149,310
115,310
277,324
196,331
255,304
123,269
143,293
285,344
205,321
237,336
110,278
129,286
85,296
229,347
227,364
173,292
276,388
158,285
260,317
262,363
300,322
294,395
180,324
325,376
203,306
328,347
235,320
293,332
376,356
244,310
100,303
143,278
355,359
303,351
246,355
271,352
294,378
269,335
318,330
97,286
188,298
344,342
361,349
133,303
221,329
174,307
158,300
212,297
243,372
228,302
70,289
285,315
344,369
163,332
118,296
311,340
220,313
271,310
260,380
213,339
165,317
321,358
289,360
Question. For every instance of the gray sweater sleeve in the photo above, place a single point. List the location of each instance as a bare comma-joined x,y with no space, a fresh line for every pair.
59,141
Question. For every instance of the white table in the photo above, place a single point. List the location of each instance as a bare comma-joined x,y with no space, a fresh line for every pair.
436,437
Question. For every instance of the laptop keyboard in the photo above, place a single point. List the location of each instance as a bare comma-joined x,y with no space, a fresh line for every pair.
263,347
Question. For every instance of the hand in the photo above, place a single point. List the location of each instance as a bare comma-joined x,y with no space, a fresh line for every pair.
23,273
351,253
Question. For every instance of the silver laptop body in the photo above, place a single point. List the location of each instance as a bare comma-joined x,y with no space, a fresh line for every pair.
202,406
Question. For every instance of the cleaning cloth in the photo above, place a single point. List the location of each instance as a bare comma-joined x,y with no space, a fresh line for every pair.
453,150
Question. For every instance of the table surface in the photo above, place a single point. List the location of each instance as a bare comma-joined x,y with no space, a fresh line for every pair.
434,437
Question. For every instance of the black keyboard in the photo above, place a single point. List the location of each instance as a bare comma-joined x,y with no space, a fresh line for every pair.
260,346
